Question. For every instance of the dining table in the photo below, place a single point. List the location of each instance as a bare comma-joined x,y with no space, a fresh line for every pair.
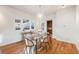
34,38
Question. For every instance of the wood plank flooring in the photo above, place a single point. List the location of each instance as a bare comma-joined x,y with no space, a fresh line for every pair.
59,47
55,47
14,48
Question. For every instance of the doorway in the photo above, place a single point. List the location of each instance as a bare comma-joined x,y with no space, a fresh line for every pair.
49,27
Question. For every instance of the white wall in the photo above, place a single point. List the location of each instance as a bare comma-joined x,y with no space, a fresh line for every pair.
8,32
77,26
65,28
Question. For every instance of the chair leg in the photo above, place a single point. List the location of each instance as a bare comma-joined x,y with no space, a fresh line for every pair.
30,50
46,46
25,50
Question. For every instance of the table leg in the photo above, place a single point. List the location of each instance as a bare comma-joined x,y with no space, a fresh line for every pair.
36,46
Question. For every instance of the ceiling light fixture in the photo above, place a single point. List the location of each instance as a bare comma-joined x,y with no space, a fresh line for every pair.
39,15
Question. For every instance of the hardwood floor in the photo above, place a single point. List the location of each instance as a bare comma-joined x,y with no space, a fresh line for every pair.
55,47
14,48
59,47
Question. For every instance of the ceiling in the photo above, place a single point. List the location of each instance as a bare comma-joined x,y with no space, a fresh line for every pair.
35,9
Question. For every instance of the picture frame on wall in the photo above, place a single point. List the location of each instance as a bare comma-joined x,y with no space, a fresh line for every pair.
42,26
17,20
18,27
32,25
25,21
26,28
24,24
